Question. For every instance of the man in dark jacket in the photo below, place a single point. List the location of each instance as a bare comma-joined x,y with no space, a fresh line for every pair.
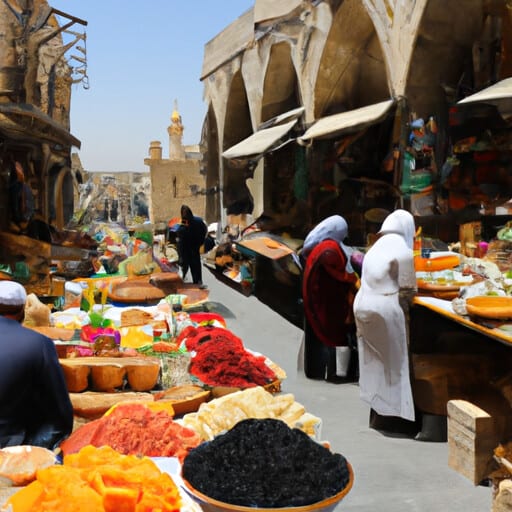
191,235
35,408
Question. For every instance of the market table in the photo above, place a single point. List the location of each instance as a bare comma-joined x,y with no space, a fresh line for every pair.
453,357
444,308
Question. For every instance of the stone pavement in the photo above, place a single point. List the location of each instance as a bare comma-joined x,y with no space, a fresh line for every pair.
392,474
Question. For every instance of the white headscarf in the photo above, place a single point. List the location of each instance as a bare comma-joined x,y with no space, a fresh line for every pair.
400,222
334,228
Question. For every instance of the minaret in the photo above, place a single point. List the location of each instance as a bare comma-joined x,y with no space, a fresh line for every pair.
175,131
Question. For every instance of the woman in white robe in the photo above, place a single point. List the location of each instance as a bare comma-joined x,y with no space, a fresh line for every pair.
388,283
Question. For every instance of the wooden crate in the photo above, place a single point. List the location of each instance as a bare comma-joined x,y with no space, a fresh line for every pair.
473,433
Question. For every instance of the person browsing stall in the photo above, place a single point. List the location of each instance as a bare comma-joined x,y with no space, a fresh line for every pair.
388,285
329,285
35,408
191,236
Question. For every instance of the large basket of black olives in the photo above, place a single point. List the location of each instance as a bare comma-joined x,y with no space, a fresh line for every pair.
265,464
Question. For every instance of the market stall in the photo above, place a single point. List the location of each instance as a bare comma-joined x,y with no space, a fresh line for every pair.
265,265
149,384
460,347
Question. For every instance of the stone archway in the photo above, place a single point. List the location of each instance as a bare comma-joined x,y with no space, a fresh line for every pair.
61,194
442,54
352,71
280,87
236,197
210,151
281,93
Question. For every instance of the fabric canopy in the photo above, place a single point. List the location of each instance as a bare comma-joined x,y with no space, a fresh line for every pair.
499,94
259,142
281,118
349,121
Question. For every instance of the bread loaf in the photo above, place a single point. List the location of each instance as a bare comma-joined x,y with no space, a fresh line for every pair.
55,333
135,316
76,376
107,377
110,373
142,377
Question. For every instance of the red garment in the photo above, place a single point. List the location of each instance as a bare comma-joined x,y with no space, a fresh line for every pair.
328,292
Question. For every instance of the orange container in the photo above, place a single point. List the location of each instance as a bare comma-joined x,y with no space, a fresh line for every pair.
434,264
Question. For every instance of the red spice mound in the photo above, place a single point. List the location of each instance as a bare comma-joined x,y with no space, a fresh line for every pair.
188,332
204,333
221,360
133,429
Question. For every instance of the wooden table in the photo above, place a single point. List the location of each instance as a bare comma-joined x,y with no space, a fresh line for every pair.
445,309
453,357
462,369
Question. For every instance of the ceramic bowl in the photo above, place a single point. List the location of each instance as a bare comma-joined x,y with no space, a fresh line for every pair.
212,505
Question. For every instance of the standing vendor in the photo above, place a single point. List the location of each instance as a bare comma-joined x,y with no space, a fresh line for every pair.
388,284
328,290
35,408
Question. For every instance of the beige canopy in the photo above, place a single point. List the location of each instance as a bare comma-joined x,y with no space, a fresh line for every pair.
281,118
350,121
260,142
499,94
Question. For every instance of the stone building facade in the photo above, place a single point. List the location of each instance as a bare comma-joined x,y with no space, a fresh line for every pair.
329,57
119,197
36,182
175,180
36,75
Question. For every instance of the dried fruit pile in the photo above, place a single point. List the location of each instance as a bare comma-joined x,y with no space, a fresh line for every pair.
100,480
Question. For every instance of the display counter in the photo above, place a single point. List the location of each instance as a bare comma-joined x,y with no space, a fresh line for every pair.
453,357
267,267
444,308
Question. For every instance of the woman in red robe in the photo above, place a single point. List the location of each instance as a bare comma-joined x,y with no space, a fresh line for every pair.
328,290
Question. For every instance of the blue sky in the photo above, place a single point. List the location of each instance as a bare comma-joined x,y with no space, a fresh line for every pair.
141,56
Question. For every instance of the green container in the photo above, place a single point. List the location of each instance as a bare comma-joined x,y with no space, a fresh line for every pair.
420,180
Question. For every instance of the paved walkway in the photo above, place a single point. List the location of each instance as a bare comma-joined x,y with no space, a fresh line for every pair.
392,474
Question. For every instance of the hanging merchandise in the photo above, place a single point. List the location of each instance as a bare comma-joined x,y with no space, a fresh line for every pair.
409,166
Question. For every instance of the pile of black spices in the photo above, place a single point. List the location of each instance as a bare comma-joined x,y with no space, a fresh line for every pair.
264,463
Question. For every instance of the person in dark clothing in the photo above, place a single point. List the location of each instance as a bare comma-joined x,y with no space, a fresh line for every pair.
35,408
210,242
191,236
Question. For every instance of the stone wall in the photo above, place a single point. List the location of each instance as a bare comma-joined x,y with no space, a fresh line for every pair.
173,183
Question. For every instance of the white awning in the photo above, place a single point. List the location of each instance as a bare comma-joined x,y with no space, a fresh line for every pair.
259,142
499,94
281,118
350,121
